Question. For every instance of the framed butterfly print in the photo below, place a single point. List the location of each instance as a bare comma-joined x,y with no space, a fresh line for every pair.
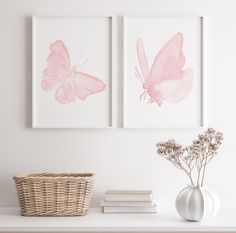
72,69
163,72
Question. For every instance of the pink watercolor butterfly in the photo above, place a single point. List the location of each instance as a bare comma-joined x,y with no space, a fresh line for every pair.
69,82
166,80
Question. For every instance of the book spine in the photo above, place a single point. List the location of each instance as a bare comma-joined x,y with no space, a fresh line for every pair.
127,203
107,209
112,197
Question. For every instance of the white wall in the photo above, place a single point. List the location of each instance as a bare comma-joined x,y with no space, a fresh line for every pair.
121,158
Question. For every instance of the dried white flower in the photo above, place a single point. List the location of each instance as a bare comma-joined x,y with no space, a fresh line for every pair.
195,156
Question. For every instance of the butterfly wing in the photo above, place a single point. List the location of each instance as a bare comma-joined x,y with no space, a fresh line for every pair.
65,94
167,79
175,89
143,62
58,65
86,84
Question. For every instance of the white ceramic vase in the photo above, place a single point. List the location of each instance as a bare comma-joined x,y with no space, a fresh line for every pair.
197,203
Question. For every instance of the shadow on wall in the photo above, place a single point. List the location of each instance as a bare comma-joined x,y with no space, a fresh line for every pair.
28,71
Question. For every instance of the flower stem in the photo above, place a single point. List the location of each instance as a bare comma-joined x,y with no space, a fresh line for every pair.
203,174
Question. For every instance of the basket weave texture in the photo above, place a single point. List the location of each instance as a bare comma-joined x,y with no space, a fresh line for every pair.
54,194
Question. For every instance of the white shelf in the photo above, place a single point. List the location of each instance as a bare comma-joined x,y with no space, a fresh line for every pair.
95,221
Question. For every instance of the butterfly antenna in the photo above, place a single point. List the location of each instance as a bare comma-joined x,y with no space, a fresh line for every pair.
138,75
86,61
80,56
79,59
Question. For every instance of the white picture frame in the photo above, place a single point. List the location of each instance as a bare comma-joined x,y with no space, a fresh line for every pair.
156,31
83,97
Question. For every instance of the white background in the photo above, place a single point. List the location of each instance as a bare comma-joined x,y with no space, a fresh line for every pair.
155,32
90,36
121,158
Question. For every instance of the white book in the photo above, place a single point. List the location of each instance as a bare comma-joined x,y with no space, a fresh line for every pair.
129,209
127,203
128,195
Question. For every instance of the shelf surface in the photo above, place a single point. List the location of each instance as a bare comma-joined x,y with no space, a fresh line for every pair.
96,221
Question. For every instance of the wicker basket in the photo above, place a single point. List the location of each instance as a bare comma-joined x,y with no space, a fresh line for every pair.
54,194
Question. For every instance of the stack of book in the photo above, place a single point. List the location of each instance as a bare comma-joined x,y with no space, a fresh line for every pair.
128,201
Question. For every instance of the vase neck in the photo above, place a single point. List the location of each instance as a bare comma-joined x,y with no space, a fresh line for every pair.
198,186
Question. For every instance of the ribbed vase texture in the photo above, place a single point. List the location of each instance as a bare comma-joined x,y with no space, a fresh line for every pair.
197,203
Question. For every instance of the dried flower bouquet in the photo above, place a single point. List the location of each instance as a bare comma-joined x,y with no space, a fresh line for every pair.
193,159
